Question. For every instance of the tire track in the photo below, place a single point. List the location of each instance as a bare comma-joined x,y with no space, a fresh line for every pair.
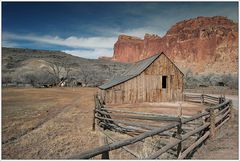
48,118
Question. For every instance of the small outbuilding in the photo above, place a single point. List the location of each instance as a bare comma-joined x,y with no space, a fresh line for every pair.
155,79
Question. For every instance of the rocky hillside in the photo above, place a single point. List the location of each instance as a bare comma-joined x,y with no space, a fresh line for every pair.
202,44
26,65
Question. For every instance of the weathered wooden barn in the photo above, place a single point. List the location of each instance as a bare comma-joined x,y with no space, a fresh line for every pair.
155,79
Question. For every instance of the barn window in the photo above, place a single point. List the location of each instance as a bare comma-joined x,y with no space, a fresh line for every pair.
164,82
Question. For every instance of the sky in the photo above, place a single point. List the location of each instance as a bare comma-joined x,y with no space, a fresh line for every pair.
90,29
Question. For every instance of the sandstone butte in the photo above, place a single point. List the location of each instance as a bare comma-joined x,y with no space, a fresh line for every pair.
202,44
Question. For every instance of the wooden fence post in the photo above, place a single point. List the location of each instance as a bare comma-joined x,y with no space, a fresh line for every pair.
94,111
231,115
179,130
220,100
179,136
105,155
94,124
202,98
212,123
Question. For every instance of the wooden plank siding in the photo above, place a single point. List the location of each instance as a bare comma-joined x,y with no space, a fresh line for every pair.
147,87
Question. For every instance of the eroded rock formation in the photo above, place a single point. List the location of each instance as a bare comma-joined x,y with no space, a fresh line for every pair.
202,44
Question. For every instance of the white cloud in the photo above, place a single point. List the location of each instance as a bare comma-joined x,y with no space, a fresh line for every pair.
72,41
91,54
9,44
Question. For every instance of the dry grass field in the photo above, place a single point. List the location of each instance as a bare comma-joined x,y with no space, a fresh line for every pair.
55,123
47,123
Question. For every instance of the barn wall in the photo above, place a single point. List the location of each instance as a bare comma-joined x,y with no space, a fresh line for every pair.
147,87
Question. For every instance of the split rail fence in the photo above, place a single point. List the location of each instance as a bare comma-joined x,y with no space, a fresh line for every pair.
204,125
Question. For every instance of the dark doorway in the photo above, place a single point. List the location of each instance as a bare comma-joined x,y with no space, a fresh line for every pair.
164,82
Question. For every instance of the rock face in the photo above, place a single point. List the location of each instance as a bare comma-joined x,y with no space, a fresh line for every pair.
203,44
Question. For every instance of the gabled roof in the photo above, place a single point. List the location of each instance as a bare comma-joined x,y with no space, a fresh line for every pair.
133,71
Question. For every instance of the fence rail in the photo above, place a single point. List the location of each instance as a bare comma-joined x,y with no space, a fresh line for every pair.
118,120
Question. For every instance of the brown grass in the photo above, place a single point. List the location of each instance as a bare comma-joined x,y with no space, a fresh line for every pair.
47,123
56,124
225,145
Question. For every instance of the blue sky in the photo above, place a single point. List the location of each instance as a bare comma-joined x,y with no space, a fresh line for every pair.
90,29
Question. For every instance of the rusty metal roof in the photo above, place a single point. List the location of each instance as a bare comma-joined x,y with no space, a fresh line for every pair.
133,71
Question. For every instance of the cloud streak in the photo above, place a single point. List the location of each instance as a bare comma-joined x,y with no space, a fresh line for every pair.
87,47
72,41
91,54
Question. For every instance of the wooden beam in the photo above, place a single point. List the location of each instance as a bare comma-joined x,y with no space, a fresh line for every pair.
179,136
105,155
187,135
137,124
174,143
164,149
125,148
220,125
212,123
94,111
140,113
194,117
222,111
152,118
213,97
231,109
119,144
202,99
194,145
219,105
218,119
111,126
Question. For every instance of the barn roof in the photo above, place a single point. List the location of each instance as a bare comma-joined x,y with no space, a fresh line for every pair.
133,71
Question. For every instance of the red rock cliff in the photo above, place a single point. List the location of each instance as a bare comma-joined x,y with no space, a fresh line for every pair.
203,44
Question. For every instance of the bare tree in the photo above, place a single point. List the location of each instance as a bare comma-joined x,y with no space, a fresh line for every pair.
31,78
6,79
58,70
87,75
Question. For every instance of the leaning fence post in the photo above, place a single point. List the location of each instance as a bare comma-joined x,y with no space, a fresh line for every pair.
212,123
179,136
179,130
94,111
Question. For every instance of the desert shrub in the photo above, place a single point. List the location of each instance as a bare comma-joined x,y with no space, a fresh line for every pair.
6,78
215,79
230,80
193,81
